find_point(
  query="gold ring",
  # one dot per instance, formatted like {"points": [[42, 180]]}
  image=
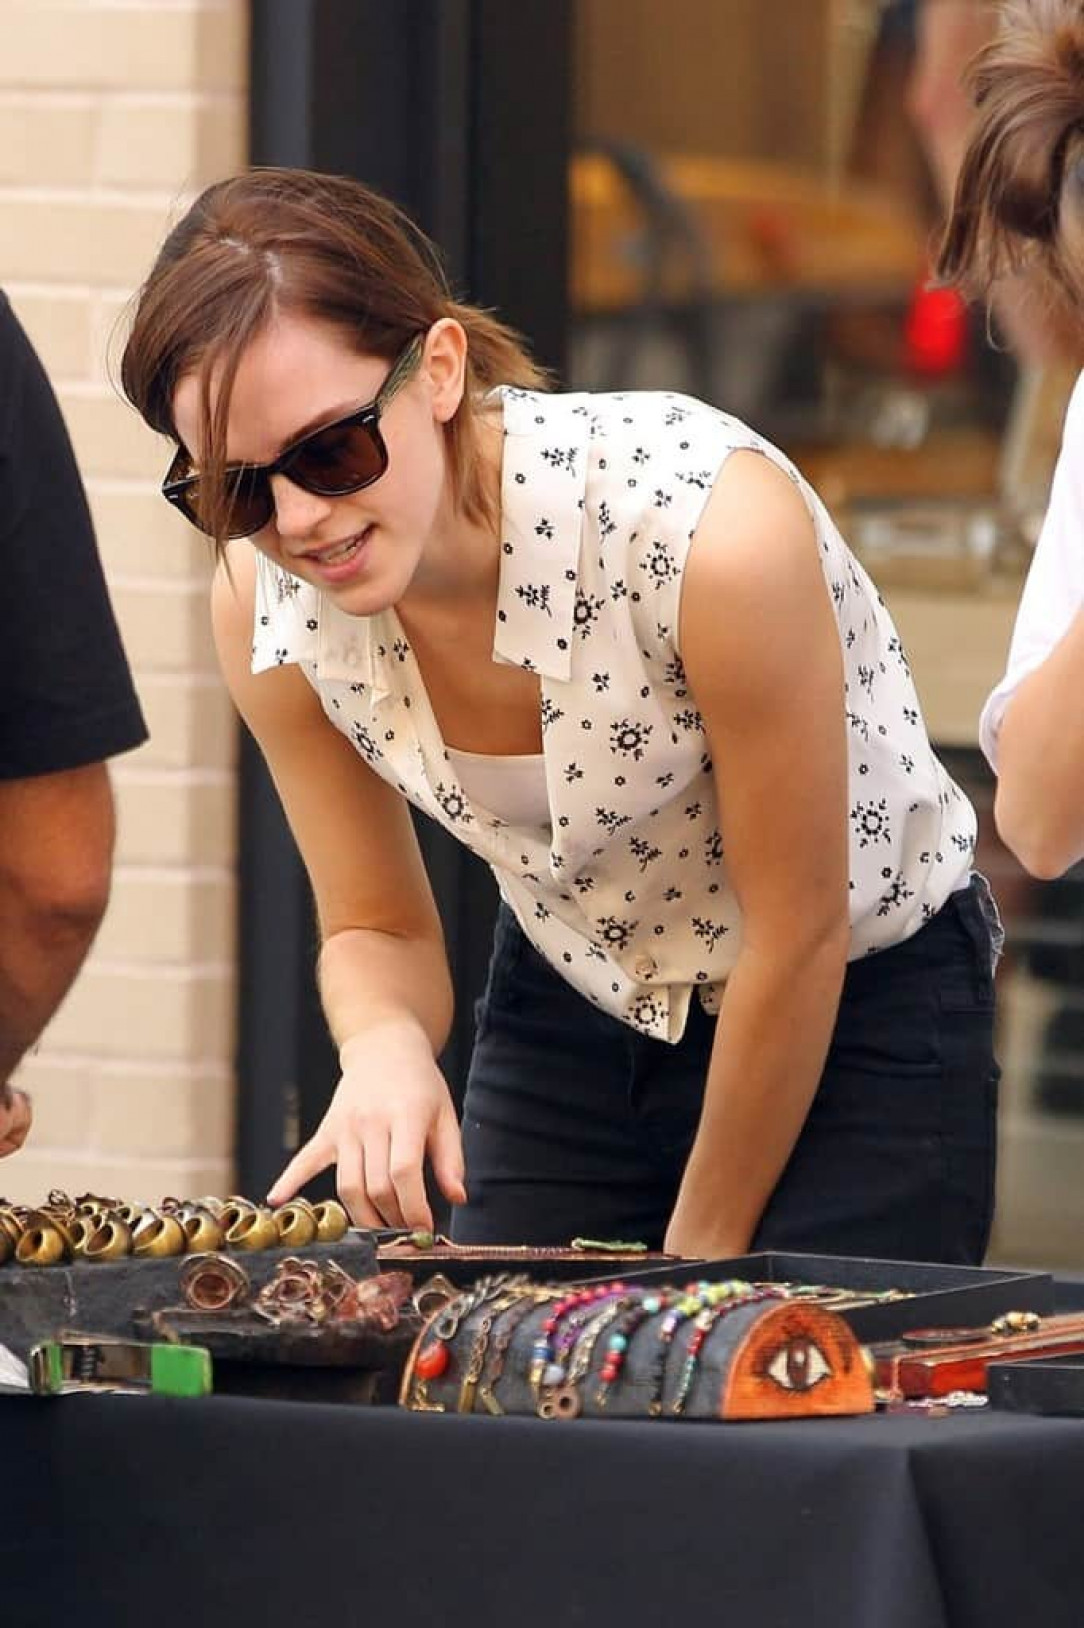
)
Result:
{"points": [[157, 1236], [296, 1223], [111, 1241], [255, 1229], [42, 1243], [332, 1221], [202, 1231]]}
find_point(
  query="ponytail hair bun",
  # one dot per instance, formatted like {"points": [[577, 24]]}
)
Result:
{"points": [[1019, 202]]}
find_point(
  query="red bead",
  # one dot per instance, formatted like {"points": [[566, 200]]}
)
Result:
{"points": [[432, 1361]]}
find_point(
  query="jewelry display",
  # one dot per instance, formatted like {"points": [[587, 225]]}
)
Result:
{"points": [[320, 1291], [431, 1359], [93, 1228], [727, 1349]]}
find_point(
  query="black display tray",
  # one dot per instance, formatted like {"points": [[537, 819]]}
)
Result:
{"points": [[102, 1298], [1069, 1291], [1052, 1385], [939, 1295]]}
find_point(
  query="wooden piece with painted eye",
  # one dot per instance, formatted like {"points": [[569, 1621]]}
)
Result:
{"points": [[793, 1360]]}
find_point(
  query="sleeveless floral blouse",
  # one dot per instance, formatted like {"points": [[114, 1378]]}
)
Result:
{"points": [[625, 889]]}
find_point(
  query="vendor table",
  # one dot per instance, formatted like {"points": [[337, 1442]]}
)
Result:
{"points": [[230, 1512]]}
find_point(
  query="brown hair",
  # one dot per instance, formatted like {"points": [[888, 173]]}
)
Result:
{"points": [[1019, 202], [324, 246]]}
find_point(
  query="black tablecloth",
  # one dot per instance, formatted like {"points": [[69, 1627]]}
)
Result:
{"points": [[228, 1512]]}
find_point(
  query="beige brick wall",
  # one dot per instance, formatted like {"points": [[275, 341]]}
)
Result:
{"points": [[112, 114]]}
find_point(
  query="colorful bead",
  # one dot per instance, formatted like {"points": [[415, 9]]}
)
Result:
{"points": [[617, 1345], [432, 1361], [558, 1333], [697, 1297]]}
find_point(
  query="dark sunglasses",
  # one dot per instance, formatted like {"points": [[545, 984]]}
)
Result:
{"points": [[330, 462]]}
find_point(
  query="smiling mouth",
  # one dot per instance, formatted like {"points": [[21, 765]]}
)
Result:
{"points": [[339, 553]]}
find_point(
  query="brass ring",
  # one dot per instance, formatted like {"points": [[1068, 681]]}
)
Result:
{"points": [[83, 1229], [255, 1229], [95, 1201], [157, 1235], [296, 1223], [111, 1241], [42, 1243], [213, 1282], [332, 1221], [202, 1231], [233, 1211]]}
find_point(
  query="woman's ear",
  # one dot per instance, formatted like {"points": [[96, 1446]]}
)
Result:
{"points": [[444, 363]]}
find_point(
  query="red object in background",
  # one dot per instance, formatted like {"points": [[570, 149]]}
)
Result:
{"points": [[935, 333]]}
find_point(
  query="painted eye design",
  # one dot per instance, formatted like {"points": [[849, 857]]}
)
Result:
{"points": [[798, 1366]]}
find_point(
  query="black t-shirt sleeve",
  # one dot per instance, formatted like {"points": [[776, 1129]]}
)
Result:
{"points": [[66, 692]]}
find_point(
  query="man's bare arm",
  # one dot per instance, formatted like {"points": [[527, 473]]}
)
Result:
{"points": [[55, 864]]}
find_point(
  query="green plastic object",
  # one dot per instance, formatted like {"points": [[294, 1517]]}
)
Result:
{"points": [[181, 1370], [85, 1362]]}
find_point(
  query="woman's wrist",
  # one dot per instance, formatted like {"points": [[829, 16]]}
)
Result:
{"points": [[401, 1030]]}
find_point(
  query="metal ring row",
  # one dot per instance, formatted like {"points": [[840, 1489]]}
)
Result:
{"points": [[91, 1228]]}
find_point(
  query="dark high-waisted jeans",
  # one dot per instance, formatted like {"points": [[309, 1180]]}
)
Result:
{"points": [[576, 1125]]}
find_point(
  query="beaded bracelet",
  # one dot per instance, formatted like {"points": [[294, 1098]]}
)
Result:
{"points": [[648, 1305], [564, 1401], [545, 1369], [696, 1297], [703, 1324]]}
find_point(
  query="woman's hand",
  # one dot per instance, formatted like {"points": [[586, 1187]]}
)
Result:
{"points": [[16, 1117], [391, 1108]]}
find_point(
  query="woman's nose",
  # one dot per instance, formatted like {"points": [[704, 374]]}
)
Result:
{"points": [[297, 512]]}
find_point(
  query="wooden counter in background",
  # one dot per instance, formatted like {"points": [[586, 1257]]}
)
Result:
{"points": [[765, 228]]}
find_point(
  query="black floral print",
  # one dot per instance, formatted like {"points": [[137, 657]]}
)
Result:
{"points": [[626, 884]]}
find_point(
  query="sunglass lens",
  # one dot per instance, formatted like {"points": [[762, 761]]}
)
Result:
{"points": [[342, 458], [248, 503]]}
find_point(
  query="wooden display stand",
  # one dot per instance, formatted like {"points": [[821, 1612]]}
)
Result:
{"points": [[764, 1360]]}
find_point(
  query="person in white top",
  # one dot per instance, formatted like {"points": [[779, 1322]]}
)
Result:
{"points": [[1018, 222], [742, 983]]}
